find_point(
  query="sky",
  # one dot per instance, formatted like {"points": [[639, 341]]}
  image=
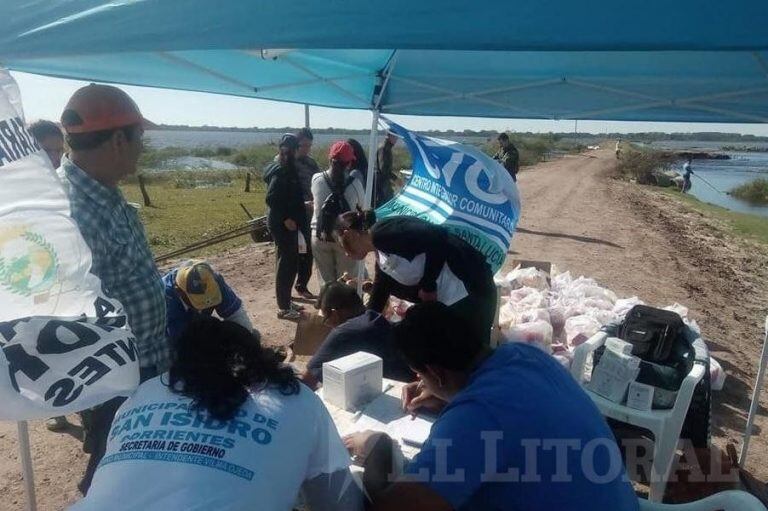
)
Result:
{"points": [[44, 98]]}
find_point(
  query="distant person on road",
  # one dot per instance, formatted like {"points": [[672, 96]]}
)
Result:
{"points": [[385, 174], [50, 138], [687, 176], [618, 148], [194, 289], [286, 220], [508, 156]]}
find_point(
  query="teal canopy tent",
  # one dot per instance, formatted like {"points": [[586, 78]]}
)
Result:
{"points": [[649, 60]]}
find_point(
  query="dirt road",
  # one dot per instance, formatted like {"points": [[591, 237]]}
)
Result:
{"points": [[630, 239]]}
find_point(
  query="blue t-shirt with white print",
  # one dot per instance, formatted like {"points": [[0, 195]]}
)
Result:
{"points": [[522, 435]]}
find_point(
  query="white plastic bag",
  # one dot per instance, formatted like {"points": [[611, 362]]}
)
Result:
{"points": [[561, 281], [527, 277], [681, 310], [537, 333], [302, 243], [623, 305], [579, 329], [603, 317]]}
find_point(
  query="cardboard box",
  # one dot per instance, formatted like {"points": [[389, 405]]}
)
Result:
{"points": [[310, 334], [352, 381]]}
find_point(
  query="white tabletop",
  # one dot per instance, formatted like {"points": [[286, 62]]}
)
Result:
{"points": [[384, 414]]}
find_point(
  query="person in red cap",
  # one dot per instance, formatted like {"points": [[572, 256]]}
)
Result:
{"points": [[103, 131], [335, 192]]}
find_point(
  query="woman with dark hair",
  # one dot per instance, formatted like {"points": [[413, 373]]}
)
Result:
{"points": [[228, 427], [360, 167], [494, 405], [420, 262], [335, 191]]}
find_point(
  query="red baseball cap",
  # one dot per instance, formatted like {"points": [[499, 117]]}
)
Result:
{"points": [[342, 151], [99, 107]]}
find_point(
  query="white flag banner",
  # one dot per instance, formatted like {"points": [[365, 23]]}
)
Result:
{"points": [[64, 345]]}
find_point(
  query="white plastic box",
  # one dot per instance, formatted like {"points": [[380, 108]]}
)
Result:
{"points": [[352, 381]]}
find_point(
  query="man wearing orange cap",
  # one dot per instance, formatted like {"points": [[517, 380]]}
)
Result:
{"points": [[103, 131], [335, 192]]}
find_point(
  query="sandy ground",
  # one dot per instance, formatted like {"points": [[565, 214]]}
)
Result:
{"points": [[630, 239]]}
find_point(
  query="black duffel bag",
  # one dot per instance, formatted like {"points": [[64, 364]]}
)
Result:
{"points": [[659, 340]]}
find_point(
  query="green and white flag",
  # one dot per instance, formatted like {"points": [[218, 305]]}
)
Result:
{"points": [[462, 188], [64, 345]]}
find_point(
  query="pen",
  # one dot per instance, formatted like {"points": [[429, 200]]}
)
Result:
{"points": [[357, 415], [388, 388]]}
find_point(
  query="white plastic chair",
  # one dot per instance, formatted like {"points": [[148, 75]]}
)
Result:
{"points": [[664, 424], [724, 501]]}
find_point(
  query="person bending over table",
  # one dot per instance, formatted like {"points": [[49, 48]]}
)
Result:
{"points": [[515, 431], [420, 262], [354, 329], [194, 288], [229, 427]]}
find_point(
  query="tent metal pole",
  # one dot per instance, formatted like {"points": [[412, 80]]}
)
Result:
{"points": [[306, 115], [369, 182], [26, 465], [755, 399], [372, 146]]}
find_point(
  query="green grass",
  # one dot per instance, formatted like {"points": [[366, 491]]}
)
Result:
{"points": [[741, 224], [181, 216], [755, 192], [190, 205]]}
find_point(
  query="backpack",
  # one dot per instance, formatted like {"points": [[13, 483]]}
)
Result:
{"points": [[666, 356], [653, 333], [333, 206]]}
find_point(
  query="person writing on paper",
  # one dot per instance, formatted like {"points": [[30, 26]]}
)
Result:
{"points": [[354, 329], [228, 427], [515, 431], [286, 220], [419, 261], [193, 289]]}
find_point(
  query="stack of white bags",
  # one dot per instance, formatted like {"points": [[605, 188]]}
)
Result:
{"points": [[563, 314]]}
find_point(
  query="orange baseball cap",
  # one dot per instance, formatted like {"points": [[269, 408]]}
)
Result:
{"points": [[99, 107]]}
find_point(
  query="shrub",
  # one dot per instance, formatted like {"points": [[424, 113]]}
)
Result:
{"points": [[640, 163], [754, 192]]}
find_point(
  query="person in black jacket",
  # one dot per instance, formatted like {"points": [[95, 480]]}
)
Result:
{"points": [[419, 261], [286, 220]]}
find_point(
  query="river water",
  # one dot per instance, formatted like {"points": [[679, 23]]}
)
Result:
{"points": [[723, 175]]}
